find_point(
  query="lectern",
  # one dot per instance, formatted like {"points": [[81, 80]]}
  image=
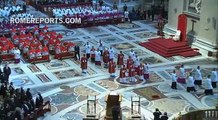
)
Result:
{"points": [[91, 108], [135, 108], [113, 109]]}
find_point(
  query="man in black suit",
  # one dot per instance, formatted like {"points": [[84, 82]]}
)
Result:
{"points": [[29, 94], [7, 72], [77, 52], [125, 8], [157, 114]]}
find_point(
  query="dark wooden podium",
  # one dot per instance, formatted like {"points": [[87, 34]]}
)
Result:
{"points": [[113, 101]]}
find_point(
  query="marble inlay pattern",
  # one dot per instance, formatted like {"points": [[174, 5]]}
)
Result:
{"points": [[126, 26], [73, 116], [111, 40], [94, 30], [57, 64], [66, 74], [123, 46], [60, 98], [145, 35], [85, 91], [151, 60], [210, 100], [110, 85], [17, 71], [34, 68], [128, 37], [43, 77], [21, 81]]}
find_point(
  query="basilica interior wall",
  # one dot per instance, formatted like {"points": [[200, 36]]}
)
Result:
{"points": [[208, 22]]}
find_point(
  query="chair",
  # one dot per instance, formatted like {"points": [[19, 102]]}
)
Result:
{"points": [[176, 37]]}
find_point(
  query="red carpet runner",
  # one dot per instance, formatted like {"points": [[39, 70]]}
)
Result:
{"points": [[169, 48]]}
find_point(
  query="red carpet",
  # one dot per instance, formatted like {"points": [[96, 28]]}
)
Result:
{"points": [[168, 47]]}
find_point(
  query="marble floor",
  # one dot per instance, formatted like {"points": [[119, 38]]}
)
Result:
{"points": [[63, 83]]}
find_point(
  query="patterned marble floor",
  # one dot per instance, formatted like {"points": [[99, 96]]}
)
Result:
{"points": [[67, 88]]}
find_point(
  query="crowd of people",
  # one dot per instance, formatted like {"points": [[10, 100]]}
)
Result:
{"points": [[130, 70], [143, 14], [194, 79], [22, 15], [7, 11], [17, 103], [83, 10], [87, 12], [35, 45]]}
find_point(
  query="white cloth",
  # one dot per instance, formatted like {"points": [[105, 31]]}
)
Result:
{"points": [[176, 37], [214, 77], [182, 73], [174, 77], [208, 85], [126, 14], [190, 82], [97, 56], [17, 54], [88, 48], [198, 75]]}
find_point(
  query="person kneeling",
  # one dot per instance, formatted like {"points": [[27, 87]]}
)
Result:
{"points": [[208, 86], [190, 84]]}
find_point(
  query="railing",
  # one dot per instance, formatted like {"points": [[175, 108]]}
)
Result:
{"points": [[199, 115]]}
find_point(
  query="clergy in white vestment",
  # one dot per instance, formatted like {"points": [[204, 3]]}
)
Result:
{"points": [[214, 77], [198, 76], [100, 47], [111, 53], [174, 78], [126, 15], [88, 50], [132, 53], [190, 84], [182, 74], [17, 55], [98, 57], [146, 71], [208, 86]]}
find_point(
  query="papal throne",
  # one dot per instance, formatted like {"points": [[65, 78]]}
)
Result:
{"points": [[113, 101]]}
